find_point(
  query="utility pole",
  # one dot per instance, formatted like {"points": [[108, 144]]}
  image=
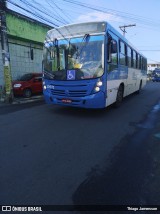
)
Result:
{"points": [[5, 54], [123, 28]]}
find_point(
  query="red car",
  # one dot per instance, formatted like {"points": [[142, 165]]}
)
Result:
{"points": [[28, 84]]}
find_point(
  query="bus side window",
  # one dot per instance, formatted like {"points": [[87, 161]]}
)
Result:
{"points": [[137, 61], [146, 64], [112, 51], [140, 62], [122, 53], [129, 56], [134, 59], [143, 63]]}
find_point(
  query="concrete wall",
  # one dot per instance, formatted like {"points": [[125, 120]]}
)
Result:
{"points": [[25, 29], [20, 58]]}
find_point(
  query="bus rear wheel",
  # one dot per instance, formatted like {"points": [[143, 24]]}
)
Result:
{"points": [[119, 98]]}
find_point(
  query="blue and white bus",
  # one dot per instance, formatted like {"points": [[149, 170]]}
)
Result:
{"points": [[90, 65]]}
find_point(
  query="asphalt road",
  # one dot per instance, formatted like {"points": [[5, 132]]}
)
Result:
{"points": [[52, 155]]}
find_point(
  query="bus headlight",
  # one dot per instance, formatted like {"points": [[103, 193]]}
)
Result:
{"points": [[44, 87], [97, 89], [99, 83], [98, 86]]}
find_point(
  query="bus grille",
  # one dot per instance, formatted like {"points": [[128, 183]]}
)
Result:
{"points": [[69, 93]]}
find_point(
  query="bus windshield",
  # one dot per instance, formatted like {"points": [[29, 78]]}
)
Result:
{"points": [[74, 59]]}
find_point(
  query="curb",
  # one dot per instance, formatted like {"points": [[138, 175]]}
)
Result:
{"points": [[21, 100]]}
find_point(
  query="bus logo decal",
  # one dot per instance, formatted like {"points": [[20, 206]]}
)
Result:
{"points": [[70, 74]]}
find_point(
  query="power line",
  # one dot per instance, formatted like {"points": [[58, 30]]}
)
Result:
{"points": [[154, 61], [60, 20], [39, 10], [58, 8], [115, 13], [39, 13], [47, 12], [36, 15]]}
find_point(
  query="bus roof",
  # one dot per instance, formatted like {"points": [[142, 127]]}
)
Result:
{"points": [[78, 29]]}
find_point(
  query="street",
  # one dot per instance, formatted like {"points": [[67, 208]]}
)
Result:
{"points": [[54, 155]]}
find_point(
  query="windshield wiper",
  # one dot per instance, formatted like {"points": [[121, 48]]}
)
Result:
{"points": [[80, 49], [85, 39]]}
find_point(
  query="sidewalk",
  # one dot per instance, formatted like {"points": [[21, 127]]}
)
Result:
{"points": [[22, 100]]}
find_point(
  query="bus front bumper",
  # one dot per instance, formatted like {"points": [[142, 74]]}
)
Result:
{"points": [[96, 100]]}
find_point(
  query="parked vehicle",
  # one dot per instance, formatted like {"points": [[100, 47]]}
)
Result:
{"points": [[156, 75], [28, 84], [156, 79]]}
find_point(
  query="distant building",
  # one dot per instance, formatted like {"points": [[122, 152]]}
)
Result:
{"points": [[152, 66], [25, 37]]}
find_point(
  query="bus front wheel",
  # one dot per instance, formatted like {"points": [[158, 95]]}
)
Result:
{"points": [[119, 97]]}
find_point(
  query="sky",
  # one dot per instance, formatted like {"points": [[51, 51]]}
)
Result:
{"points": [[145, 36]]}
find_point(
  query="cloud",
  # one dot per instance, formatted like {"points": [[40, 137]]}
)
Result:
{"points": [[98, 16]]}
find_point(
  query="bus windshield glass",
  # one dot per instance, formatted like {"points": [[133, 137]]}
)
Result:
{"points": [[74, 59]]}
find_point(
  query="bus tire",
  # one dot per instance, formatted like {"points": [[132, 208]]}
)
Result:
{"points": [[140, 88], [119, 97]]}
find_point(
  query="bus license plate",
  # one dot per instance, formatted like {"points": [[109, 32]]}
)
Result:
{"points": [[66, 101]]}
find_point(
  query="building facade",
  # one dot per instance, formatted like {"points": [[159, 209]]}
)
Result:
{"points": [[25, 40], [152, 66]]}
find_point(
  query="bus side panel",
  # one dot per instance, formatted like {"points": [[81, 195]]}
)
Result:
{"points": [[133, 80], [144, 78], [112, 89]]}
